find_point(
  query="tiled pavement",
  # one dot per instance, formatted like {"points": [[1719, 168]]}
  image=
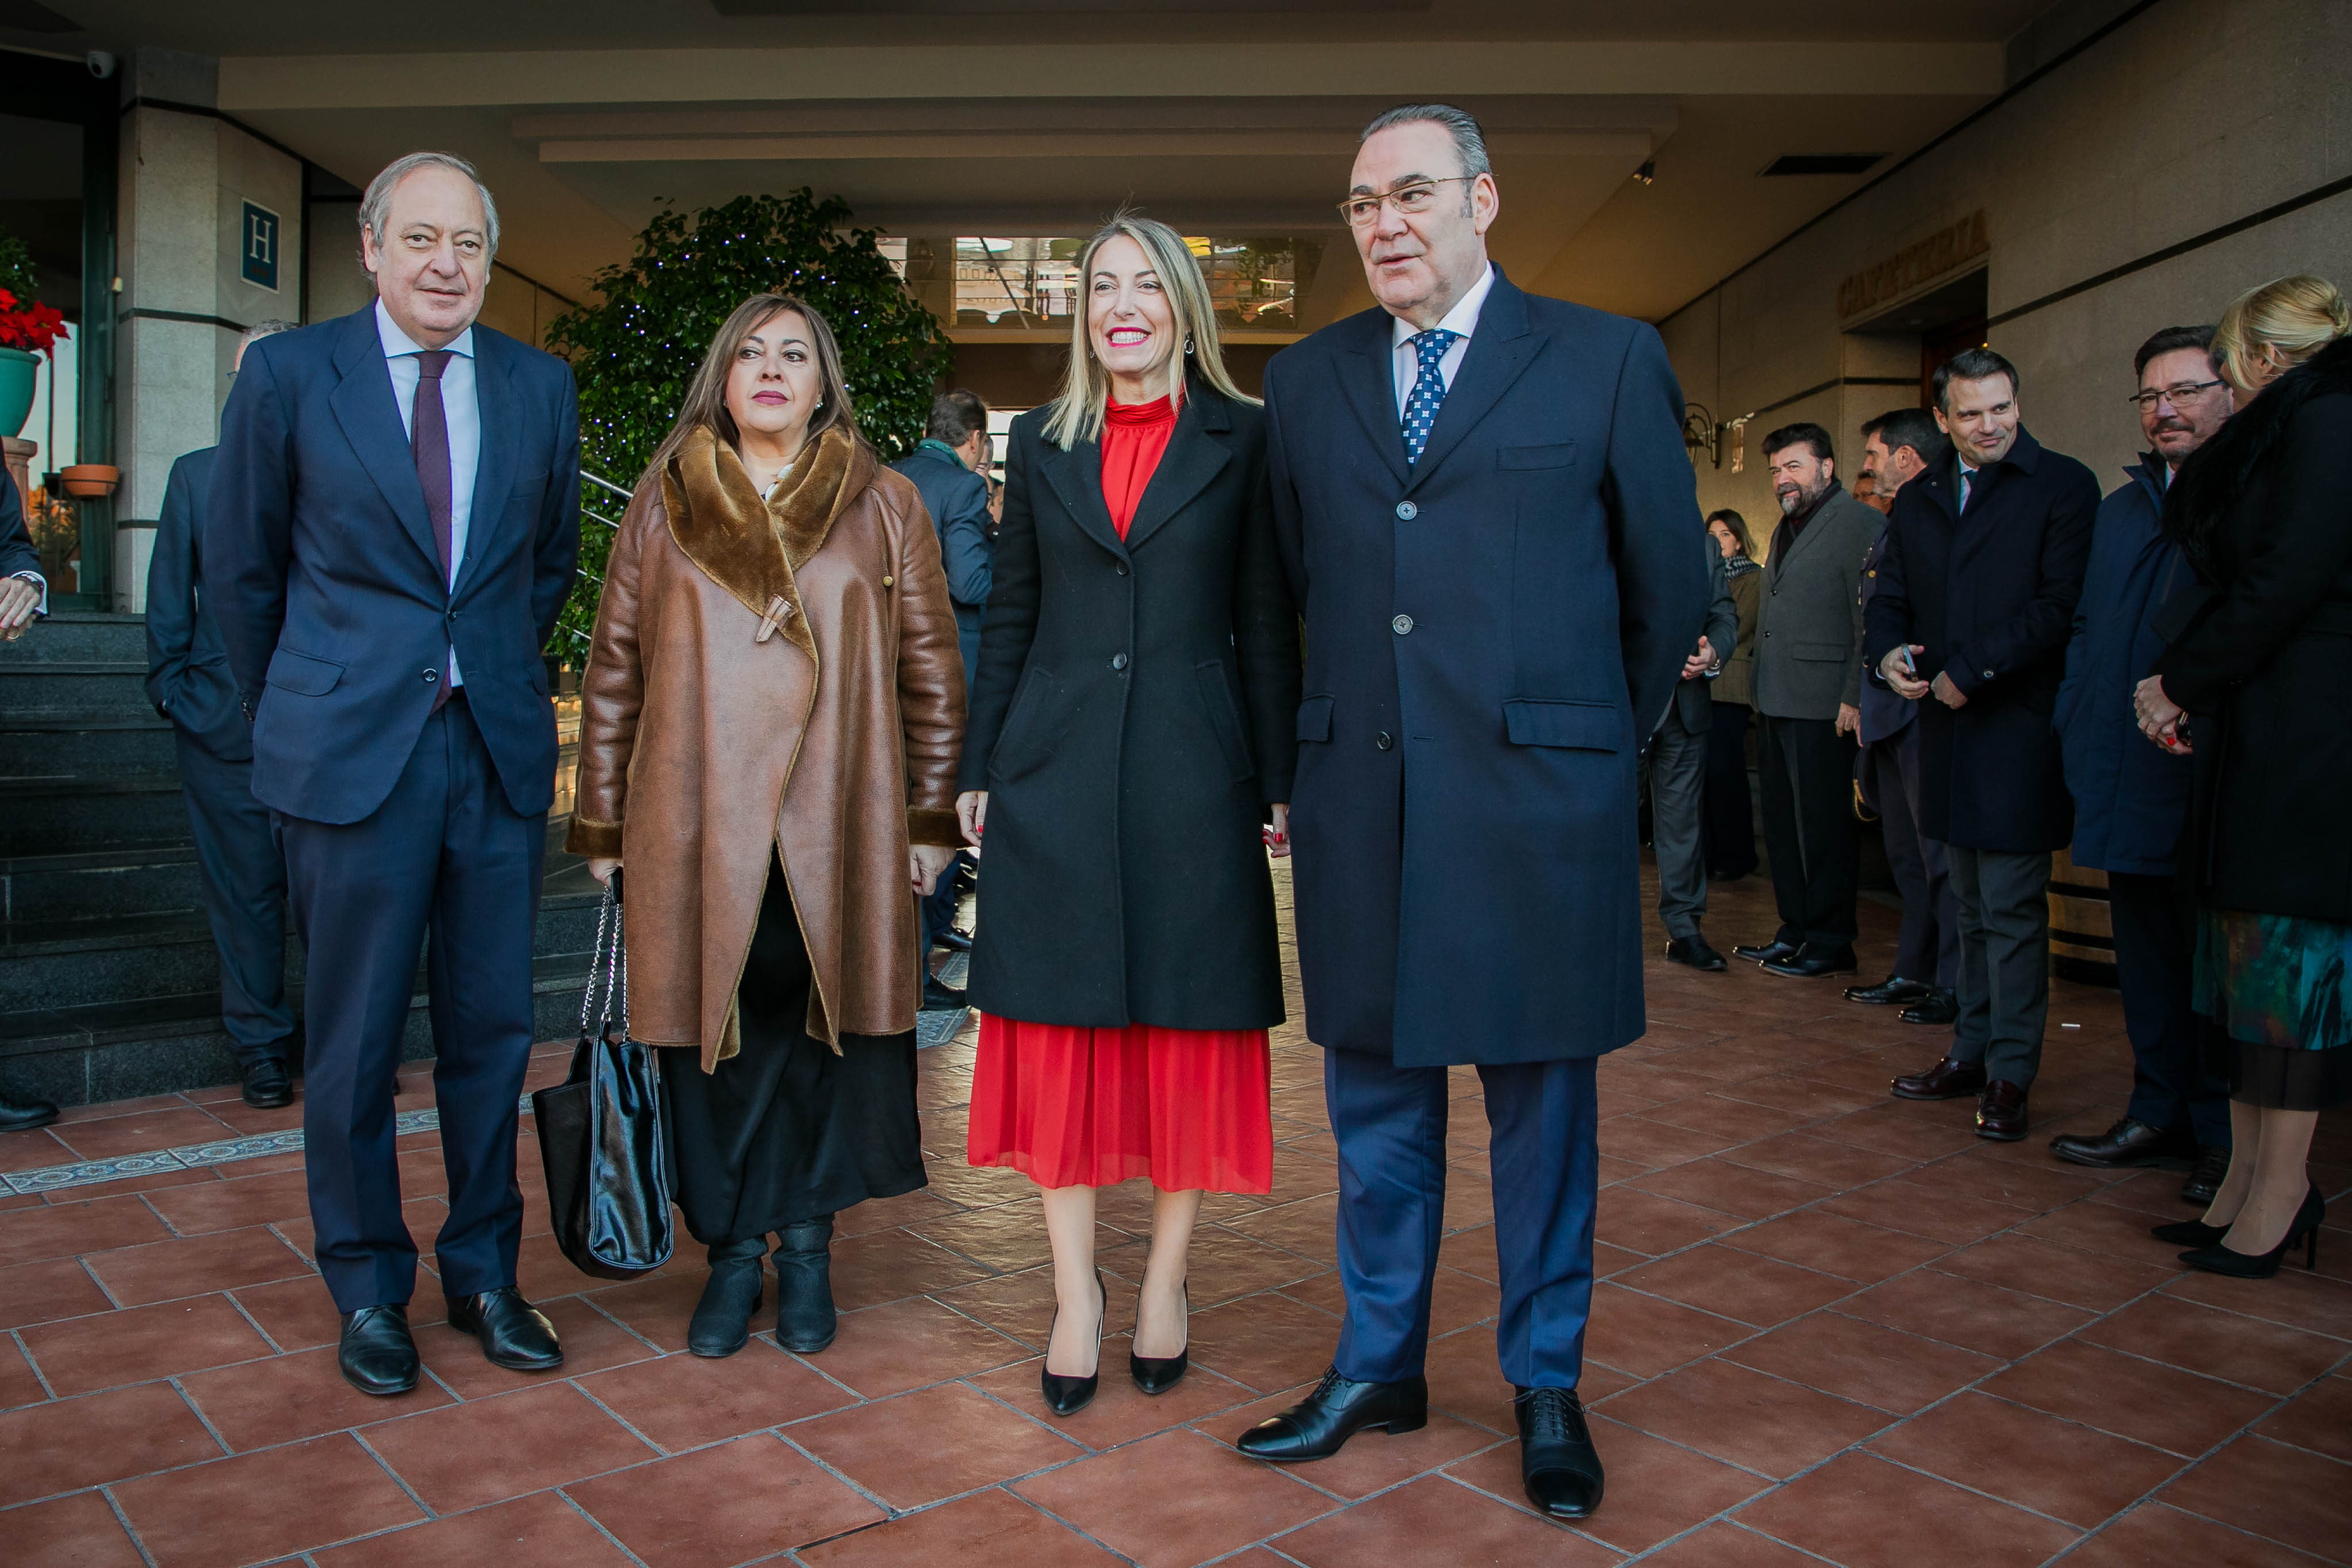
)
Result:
{"points": [[1833, 1326]]}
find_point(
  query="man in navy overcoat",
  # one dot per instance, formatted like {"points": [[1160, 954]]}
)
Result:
{"points": [[1486, 514], [393, 519]]}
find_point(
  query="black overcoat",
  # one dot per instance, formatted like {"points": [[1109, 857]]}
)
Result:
{"points": [[1482, 629], [1991, 595], [1131, 721], [2257, 657]]}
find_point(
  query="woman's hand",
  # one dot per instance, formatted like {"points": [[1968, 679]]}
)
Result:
{"points": [[972, 812], [1277, 837], [2159, 717], [603, 869], [925, 863]]}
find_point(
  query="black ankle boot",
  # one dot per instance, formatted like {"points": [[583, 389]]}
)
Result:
{"points": [[804, 1286], [722, 1319]]}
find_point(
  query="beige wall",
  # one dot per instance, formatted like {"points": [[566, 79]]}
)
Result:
{"points": [[2190, 117]]}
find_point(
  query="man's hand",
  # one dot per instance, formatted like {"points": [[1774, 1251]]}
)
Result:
{"points": [[1700, 662], [1277, 837], [2159, 717], [1897, 670], [971, 813], [19, 596], [1948, 694], [925, 863], [1849, 719]]}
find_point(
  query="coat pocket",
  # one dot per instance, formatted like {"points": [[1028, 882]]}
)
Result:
{"points": [[1225, 719], [1576, 725], [302, 674], [1823, 652], [1315, 719], [1560, 456], [1015, 755]]}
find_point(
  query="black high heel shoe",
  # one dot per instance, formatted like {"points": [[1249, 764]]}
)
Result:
{"points": [[2217, 1259], [2189, 1233], [1158, 1373], [1068, 1395]]}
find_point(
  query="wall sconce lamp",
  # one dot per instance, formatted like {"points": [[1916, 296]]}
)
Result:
{"points": [[1701, 434]]}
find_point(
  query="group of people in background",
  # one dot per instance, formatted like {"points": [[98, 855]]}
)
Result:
{"points": [[1409, 620], [2004, 665]]}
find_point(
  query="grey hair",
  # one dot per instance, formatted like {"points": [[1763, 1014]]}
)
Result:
{"points": [[375, 207], [1469, 141], [260, 330]]}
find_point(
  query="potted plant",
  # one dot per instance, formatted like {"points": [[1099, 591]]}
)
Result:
{"points": [[89, 480], [28, 330]]}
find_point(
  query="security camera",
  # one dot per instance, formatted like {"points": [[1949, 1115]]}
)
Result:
{"points": [[100, 64]]}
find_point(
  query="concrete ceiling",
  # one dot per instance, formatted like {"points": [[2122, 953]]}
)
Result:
{"points": [[1015, 117]]}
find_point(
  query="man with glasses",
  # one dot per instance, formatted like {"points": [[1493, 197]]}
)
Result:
{"points": [[1487, 517], [2131, 799]]}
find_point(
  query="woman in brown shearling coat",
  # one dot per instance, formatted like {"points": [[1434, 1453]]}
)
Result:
{"points": [[769, 726]]}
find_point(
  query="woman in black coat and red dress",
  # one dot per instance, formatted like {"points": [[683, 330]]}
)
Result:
{"points": [[1128, 762]]}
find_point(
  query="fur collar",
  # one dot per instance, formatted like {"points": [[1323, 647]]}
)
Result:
{"points": [[751, 547], [2219, 474]]}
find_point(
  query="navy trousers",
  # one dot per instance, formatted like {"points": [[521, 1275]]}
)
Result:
{"points": [[1389, 1121], [445, 864], [245, 899], [1927, 949], [2154, 961]]}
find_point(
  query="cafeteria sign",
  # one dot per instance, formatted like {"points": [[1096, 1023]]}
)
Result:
{"points": [[1914, 264]]}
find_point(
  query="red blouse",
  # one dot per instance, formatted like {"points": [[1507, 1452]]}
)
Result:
{"points": [[1134, 437]]}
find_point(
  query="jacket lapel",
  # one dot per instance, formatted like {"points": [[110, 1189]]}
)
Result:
{"points": [[494, 469], [363, 404], [1500, 349], [1075, 477], [1193, 459], [1370, 366]]}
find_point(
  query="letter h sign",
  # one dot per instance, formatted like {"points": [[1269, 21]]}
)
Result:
{"points": [[259, 262]]}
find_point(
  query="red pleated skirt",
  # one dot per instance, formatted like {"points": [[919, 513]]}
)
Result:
{"points": [[1095, 1107]]}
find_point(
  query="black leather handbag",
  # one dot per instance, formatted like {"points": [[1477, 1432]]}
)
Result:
{"points": [[600, 1131]]}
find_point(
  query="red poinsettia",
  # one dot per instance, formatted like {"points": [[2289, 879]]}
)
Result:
{"points": [[34, 328]]}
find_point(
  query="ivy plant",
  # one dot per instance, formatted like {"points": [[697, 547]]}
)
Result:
{"points": [[635, 351]]}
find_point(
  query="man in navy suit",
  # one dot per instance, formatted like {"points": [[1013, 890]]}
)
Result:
{"points": [[394, 516], [1487, 515], [24, 593], [243, 873]]}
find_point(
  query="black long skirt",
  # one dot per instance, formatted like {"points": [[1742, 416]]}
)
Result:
{"points": [[785, 1130]]}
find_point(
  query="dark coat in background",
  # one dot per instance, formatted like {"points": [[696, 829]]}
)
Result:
{"points": [[2131, 798], [1489, 634], [1693, 701], [1131, 722], [2257, 653], [957, 500], [188, 668], [1991, 596], [1745, 581], [17, 555], [1884, 716], [1808, 660]]}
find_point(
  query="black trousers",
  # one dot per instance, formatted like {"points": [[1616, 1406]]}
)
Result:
{"points": [[1928, 950], [1727, 822], [2172, 1086], [245, 899], [1806, 772]]}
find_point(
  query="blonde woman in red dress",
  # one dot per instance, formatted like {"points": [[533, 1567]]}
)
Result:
{"points": [[1127, 763]]}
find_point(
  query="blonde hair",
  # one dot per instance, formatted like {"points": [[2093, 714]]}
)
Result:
{"points": [[706, 395], [2286, 321], [1086, 386]]}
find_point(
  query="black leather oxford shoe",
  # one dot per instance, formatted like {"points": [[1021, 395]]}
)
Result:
{"points": [[1940, 1011], [1812, 961], [1695, 951], [514, 1333], [2127, 1143], [1894, 991], [1949, 1079], [1558, 1463], [378, 1355], [24, 1115], [1316, 1426], [1770, 952], [2204, 1183], [267, 1087]]}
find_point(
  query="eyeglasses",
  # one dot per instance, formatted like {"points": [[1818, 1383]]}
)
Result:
{"points": [[1410, 200], [2181, 396]]}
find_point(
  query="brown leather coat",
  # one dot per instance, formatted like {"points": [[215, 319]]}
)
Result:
{"points": [[785, 674]]}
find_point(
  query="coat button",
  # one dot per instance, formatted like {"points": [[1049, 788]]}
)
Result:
{"points": [[1383, 740], [888, 582], [1400, 625], [1119, 567], [431, 677], [1988, 674], [1407, 510], [1119, 661]]}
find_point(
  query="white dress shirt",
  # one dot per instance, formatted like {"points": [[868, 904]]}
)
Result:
{"points": [[462, 410], [1463, 320]]}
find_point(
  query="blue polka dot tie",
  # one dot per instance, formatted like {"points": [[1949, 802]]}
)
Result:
{"points": [[1428, 389]]}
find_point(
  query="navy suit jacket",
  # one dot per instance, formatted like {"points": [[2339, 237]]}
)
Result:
{"points": [[17, 552], [188, 668], [1884, 715], [322, 570], [1490, 636], [957, 500]]}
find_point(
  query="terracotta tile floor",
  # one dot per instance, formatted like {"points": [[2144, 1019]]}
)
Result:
{"points": [[1833, 1326]]}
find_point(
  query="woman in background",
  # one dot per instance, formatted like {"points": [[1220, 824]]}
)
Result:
{"points": [[1729, 823]]}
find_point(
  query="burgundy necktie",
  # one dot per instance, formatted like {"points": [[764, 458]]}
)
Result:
{"points": [[428, 442]]}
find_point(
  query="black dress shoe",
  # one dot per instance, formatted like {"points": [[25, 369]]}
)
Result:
{"points": [[1158, 1373], [2204, 1183], [1812, 961], [1951, 1078], [1315, 1426], [1068, 1395], [267, 1087], [1770, 952], [2128, 1144], [938, 997], [721, 1325], [1894, 991], [514, 1333], [953, 940], [1695, 950], [2189, 1233], [804, 1315], [2001, 1112], [1940, 1011], [378, 1355], [24, 1115], [1558, 1463]]}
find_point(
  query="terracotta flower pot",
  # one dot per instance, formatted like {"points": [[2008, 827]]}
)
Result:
{"points": [[91, 480]]}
